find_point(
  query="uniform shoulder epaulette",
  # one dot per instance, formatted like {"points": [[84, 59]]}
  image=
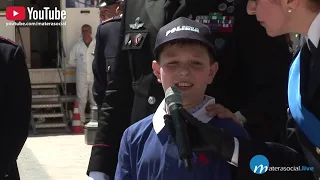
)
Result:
{"points": [[7, 41], [115, 18]]}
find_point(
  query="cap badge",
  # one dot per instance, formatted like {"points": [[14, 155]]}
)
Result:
{"points": [[182, 28]]}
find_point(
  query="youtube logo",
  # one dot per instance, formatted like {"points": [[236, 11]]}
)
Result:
{"points": [[15, 13]]}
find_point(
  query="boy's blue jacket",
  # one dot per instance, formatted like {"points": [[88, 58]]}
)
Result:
{"points": [[147, 152]]}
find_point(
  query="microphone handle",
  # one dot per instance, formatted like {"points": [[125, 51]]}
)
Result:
{"points": [[187, 163], [181, 134]]}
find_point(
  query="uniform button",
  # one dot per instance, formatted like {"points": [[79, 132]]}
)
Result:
{"points": [[167, 167], [222, 7], [151, 100], [230, 9], [219, 43], [318, 150]]}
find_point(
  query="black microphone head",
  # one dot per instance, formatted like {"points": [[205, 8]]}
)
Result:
{"points": [[173, 96]]}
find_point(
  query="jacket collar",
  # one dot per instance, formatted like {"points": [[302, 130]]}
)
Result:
{"points": [[158, 121], [156, 12], [314, 31]]}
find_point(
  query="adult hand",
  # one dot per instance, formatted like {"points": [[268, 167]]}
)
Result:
{"points": [[217, 110]]}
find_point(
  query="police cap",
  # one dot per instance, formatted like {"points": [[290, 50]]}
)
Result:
{"points": [[104, 3], [183, 29]]}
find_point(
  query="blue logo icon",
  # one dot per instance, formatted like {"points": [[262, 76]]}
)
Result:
{"points": [[259, 164]]}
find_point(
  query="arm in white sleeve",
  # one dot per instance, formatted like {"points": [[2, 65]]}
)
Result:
{"points": [[235, 156], [95, 175], [72, 56]]}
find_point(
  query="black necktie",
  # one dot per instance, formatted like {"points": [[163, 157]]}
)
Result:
{"points": [[312, 47]]}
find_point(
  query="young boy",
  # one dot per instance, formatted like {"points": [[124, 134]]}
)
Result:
{"points": [[184, 59]]}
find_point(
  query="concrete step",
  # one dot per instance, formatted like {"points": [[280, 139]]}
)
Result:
{"points": [[50, 125], [43, 86], [38, 106], [48, 115], [42, 96]]}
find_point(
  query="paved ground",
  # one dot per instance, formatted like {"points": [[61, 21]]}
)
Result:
{"points": [[54, 157]]}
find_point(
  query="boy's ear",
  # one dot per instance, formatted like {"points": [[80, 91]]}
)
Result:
{"points": [[156, 70], [213, 71]]}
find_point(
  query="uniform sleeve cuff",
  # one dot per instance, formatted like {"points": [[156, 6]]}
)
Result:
{"points": [[235, 156], [95, 175]]}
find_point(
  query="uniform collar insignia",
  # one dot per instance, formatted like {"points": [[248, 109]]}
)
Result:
{"points": [[137, 39], [137, 25]]}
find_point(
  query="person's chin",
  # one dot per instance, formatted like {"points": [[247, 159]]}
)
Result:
{"points": [[273, 33], [269, 33]]}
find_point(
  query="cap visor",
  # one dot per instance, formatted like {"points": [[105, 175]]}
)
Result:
{"points": [[103, 4]]}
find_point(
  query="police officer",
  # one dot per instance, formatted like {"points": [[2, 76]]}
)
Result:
{"points": [[103, 160], [106, 46], [15, 106], [102, 11]]}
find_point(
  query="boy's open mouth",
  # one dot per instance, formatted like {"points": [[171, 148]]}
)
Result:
{"points": [[183, 85]]}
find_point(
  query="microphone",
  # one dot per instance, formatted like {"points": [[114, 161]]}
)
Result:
{"points": [[173, 100]]}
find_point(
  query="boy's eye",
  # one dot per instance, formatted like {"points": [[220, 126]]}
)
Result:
{"points": [[196, 63], [173, 62]]}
